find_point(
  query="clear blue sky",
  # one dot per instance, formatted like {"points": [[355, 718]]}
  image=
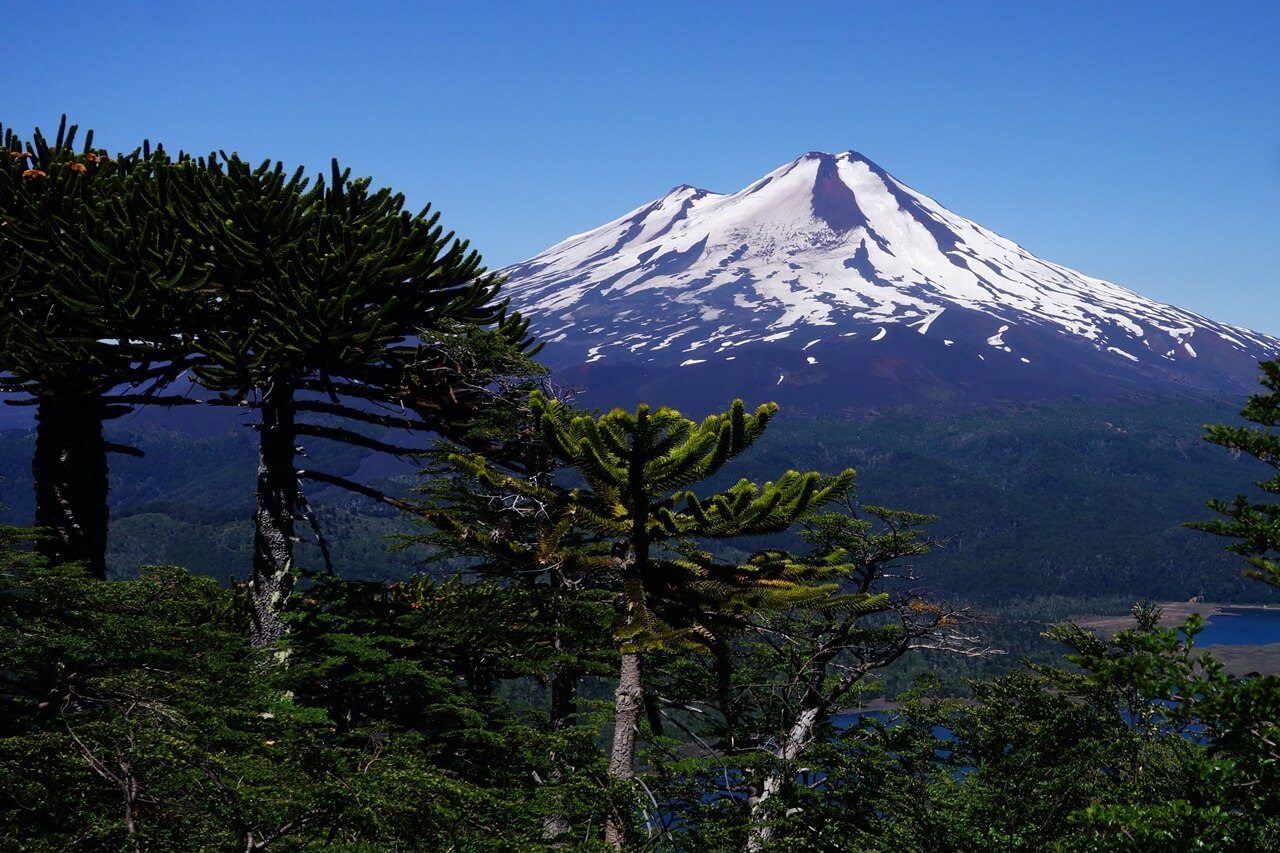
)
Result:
{"points": [[1134, 141]]}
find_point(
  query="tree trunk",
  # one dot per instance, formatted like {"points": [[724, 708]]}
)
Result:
{"points": [[70, 472], [564, 699], [628, 703], [564, 681], [277, 503], [815, 707], [564, 706], [564, 712], [794, 742]]}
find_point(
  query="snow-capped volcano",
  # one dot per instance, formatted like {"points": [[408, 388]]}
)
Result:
{"points": [[830, 272]]}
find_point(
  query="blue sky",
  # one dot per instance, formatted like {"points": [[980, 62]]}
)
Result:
{"points": [[1134, 141]]}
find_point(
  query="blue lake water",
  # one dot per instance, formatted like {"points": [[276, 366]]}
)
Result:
{"points": [[1242, 626]]}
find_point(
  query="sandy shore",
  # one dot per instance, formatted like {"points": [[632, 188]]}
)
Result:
{"points": [[1173, 613]]}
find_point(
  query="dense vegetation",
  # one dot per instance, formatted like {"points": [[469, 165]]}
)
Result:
{"points": [[734, 612]]}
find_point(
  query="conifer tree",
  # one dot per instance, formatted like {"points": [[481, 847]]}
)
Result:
{"points": [[93, 287], [506, 515], [334, 300], [638, 467], [828, 650], [517, 525], [1255, 526]]}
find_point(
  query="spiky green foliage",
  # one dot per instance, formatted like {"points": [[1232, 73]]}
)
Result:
{"points": [[95, 289], [1255, 526], [323, 280], [333, 288], [516, 526], [637, 467]]}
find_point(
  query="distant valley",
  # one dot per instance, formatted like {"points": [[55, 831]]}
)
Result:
{"points": [[1074, 499]]}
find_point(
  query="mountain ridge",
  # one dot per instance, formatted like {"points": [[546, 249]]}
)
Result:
{"points": [[798, 274]]}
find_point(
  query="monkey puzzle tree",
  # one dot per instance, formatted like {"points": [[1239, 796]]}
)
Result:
{"points": [[638, 467], [93, 288], [331, 299]]}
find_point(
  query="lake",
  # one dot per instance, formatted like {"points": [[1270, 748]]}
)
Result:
{"points": [[1242, 626]]}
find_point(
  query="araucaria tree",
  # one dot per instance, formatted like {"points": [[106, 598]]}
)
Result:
{"points": [[638, 468], [94, 286], [330, 299]]}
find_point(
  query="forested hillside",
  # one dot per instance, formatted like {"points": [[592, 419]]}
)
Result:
{"points": [[1012, 488], [1079, 498]]}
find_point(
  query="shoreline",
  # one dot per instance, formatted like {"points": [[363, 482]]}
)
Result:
{"points": [[1172, 614], [1239, 660]]}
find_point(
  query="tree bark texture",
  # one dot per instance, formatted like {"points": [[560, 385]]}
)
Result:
{"points": [[796, 741], [628, 704], [70, 472], [277, 504], [564, 700]]}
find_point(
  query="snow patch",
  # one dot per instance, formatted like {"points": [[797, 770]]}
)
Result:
{"points": [[923, 326], [811, 343], [666, 342], [880, 334], [1121, 352], [811, 359], [689, 361], [1231, 340], [997, 340], [1186, 345]]}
